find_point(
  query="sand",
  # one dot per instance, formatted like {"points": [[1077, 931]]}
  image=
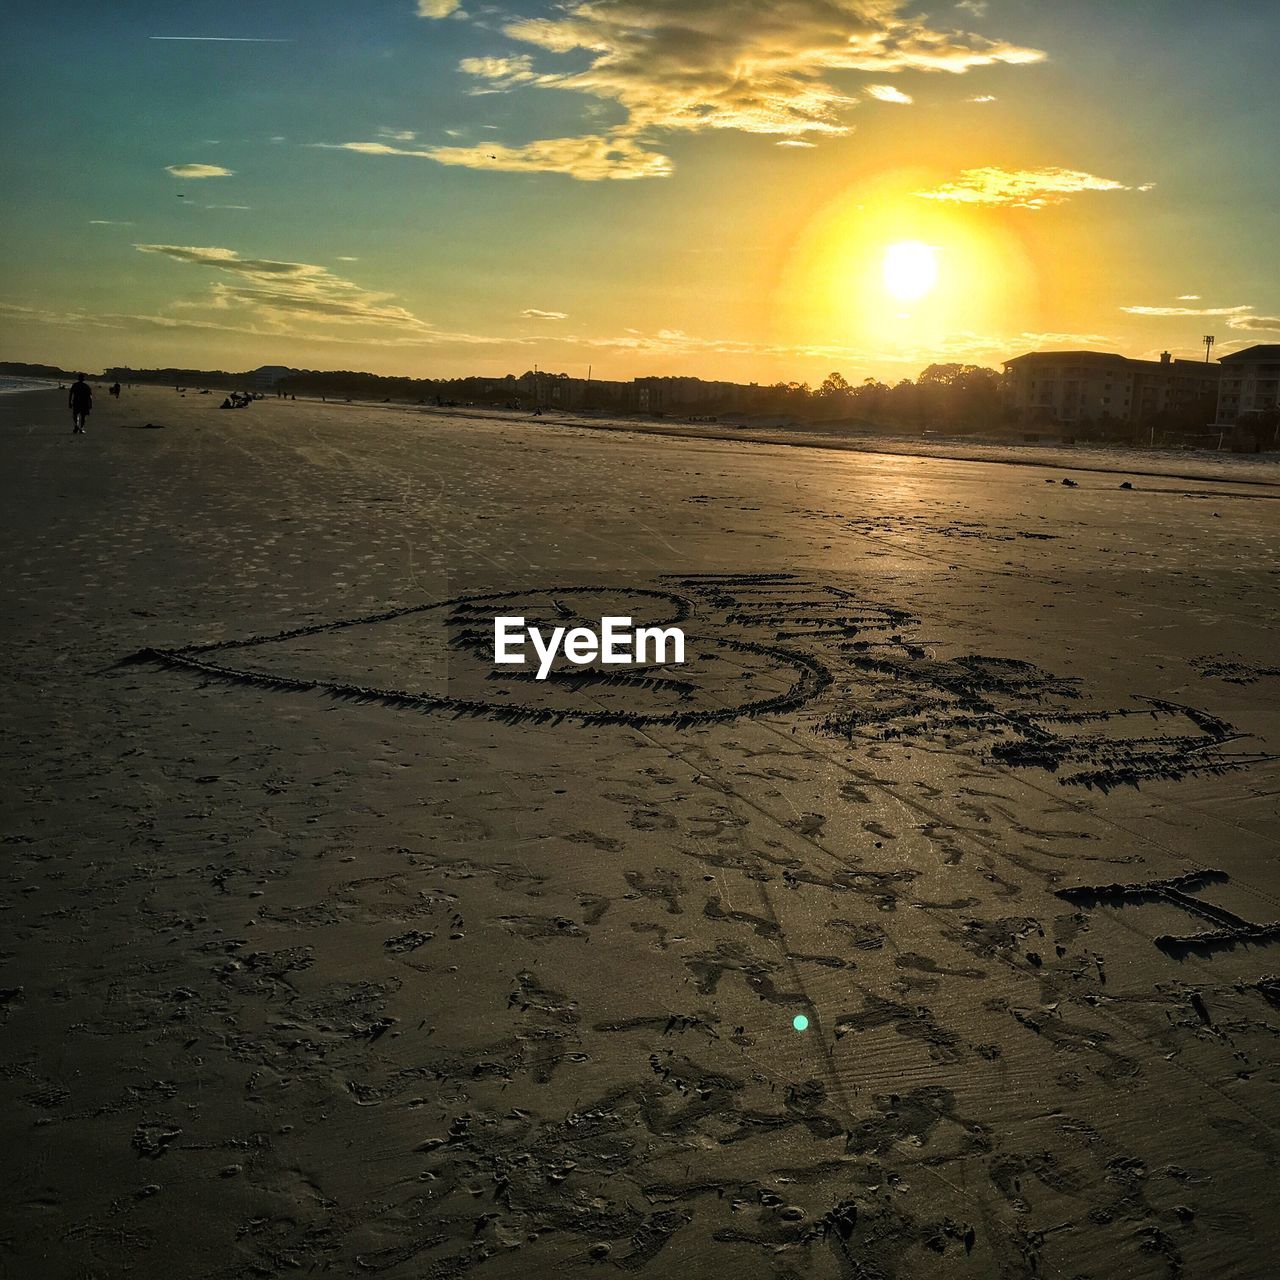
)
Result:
{"points": [[328, 954]]}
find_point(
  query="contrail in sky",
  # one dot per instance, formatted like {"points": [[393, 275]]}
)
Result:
{"points": [[228, 39]]}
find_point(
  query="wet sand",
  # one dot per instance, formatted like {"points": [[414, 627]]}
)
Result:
{"points": [[326, 953]]}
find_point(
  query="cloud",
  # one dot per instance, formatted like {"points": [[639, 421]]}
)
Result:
{"points": [[982, 97], [183, 323], [794, 142], [107, 222], [666, 343], [242, 207], [1260, 324], [1188, 297], [590, 157], [198, 171], [534, 313], [501, 73], [740, 64], [887, 93], [697, 65], [1068, 339], [1186, 311], [968, 347], [370, 148], [1241, 317], [1021, 188], [976, 7], [276, 290], [397, 135]]}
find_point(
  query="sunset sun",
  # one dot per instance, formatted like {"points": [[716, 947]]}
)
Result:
{"points": [[910, 269]]}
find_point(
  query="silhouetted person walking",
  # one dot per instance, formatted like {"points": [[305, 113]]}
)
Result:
{"points": [[81, 402]]}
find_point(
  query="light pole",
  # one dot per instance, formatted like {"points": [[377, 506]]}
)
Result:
{"points": [[1208, 341]]}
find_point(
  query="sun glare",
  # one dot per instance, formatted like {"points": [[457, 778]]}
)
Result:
{"points": [[880, 274], [910, 269]]}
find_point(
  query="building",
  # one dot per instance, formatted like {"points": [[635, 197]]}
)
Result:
{"points": [[560, 391], [265, 377], [1250, 383], [641, 395], [695, 395], [1088, 386]]}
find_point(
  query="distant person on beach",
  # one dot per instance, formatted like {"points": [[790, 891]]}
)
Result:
{"points": [[81, 402], [115, 390]]}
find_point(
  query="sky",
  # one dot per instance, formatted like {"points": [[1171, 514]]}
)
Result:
{"points": [[752, 190]]}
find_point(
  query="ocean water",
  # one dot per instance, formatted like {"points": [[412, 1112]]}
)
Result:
{"points": [[8, 385]]}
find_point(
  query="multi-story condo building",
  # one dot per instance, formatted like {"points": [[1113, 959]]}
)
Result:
{"points": [[1079, 386], [1250, 383]]}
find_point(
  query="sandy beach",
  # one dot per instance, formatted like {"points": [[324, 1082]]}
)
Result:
{"points": [[329, 953]]}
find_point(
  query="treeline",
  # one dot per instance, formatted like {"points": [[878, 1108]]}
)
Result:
{"points": [[17, 369], [352, 385], [951, 398], [179, 377], [947, 397]]}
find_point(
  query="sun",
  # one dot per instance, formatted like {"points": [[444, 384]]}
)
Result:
{"points": [[910, 269], [892, 274]]}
